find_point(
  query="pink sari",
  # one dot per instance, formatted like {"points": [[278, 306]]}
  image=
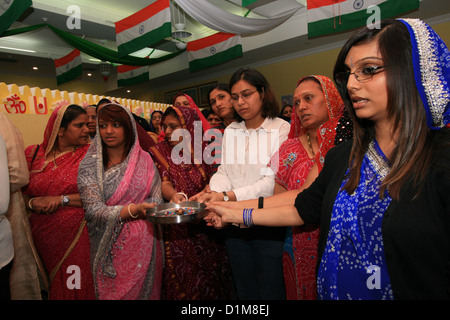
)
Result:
{"points": [[294, 165], [127, 257], [53, 234]]}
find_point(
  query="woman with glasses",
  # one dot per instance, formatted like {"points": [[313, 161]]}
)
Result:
{"points": [[382, 200], [247, 146]]}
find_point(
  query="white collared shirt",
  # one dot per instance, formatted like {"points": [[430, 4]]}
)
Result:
{"points": [[246, 154]]}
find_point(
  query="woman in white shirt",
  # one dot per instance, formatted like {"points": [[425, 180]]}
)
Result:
{"points": [[248, 144]]}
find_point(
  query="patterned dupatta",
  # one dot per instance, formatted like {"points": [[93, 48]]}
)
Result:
{"points": [[193, 106], [327, 131], [354, 249], [191, 177], [36, 154], [431, 60], [104, 194]]}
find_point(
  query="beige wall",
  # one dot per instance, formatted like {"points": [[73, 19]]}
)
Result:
{"points": [[32, 127], [84, 85]]}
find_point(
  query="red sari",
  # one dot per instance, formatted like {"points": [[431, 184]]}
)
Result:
{"points": [[53, 234], [292, 169], [196, 263]]}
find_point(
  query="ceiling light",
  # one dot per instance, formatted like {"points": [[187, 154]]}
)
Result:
{"points": [[181, 45], [89, 74], [146, 52], [128, 90], [16, 49], [35, 68]]}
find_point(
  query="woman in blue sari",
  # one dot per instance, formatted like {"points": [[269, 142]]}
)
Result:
{"points": [[381, 200]]}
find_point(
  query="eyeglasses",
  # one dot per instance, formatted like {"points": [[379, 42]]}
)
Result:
{"points": [[171, 126], [244, 96], [361, 74]]}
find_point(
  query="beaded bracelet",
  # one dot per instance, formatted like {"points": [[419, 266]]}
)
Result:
{"points": [[129, 211], [247, 217]]}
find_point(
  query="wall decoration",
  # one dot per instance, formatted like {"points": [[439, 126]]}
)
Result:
{"points": [[16, 99]]}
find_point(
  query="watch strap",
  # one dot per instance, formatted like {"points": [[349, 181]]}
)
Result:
{"points": [[225, 196]]}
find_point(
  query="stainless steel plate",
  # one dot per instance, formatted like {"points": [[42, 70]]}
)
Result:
{"points": [[172, 213]]}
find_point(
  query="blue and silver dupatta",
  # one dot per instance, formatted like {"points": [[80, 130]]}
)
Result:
{"points": [[353, 264]]}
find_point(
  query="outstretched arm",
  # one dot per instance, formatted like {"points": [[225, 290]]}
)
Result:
{"points": [[279, 216]]}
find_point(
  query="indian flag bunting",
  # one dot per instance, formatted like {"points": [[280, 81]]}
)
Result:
{"points": [[144, 28], [332, 16], [68, 67], [213, 50], [10, 11], [129, 75]]}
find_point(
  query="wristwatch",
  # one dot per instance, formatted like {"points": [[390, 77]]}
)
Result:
{"points": [[225, 196], [65, 200]]}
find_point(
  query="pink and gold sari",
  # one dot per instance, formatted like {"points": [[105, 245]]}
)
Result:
{"points": [[62, 232], [126, 256], [293, 167]]}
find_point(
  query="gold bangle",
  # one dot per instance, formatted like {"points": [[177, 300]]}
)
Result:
{"points": [[29, 203], [129, 212]]}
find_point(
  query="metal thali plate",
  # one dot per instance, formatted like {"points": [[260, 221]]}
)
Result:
{"points": [[172, 213]]}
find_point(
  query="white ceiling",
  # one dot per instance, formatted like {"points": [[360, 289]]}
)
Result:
{"points": [[97, 25]]}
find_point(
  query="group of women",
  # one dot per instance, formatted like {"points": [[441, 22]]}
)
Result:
{"points": [[357, 181], [381, 200]]}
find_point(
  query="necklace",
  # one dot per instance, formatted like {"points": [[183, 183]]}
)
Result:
{"points": [[54, 158], [310, 144], [113, 164]]}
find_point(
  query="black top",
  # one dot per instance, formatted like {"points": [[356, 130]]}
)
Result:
{"points": [[416, 231]]}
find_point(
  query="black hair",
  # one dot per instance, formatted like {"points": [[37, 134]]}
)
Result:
{"points": [[270, 107], [71, 113]]}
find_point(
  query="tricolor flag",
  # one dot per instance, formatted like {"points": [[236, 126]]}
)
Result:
{"points": [[10, 11], [68, 67], [213, 50], [129, 75], [144, 28], [331, 16]]}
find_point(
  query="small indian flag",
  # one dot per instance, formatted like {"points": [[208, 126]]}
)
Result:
{"points": [[213, 50], [144, 28], [332, 16], [68, 67], [10, 11], [129, 75]]}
